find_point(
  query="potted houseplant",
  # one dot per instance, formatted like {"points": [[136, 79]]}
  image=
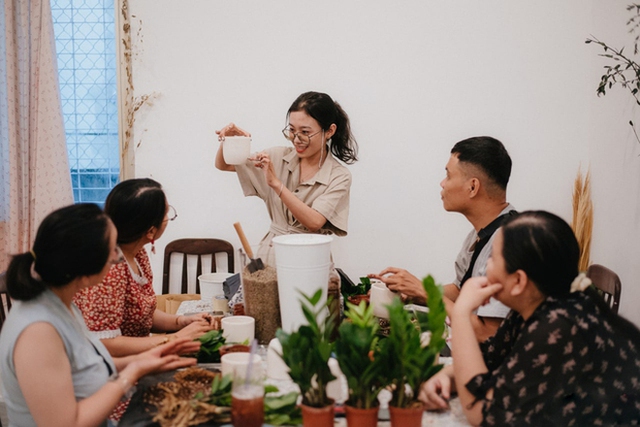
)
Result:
{"points": [[306, 352], [410, 359], [355, 293], [356, 351]]}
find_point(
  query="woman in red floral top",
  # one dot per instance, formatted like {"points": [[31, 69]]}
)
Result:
{"points": [[121, 310]]}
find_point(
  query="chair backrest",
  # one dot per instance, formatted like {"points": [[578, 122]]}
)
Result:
{"points": [[5, 301], [608, 284], [199, 248]]}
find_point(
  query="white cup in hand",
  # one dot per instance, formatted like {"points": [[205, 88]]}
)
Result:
{"points": [[236, 149]]}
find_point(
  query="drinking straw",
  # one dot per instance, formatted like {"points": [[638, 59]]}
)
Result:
{"points": [[252, 351]]}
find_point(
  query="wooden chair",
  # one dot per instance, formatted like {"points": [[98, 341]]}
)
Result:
{"points": [[199, 248], [608, 284], [5, 301]]}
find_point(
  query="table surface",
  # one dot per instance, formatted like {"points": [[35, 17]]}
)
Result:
{"points": [[452, 418], [139, 413]]}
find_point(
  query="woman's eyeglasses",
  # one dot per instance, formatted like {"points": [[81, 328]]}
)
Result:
{"points": [[291, 135], [171, 214]]}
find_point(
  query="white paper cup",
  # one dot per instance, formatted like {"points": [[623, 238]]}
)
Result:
{"points": [[236, 365], [238, 329], [211, 285], [236, 149], [380, 297]]}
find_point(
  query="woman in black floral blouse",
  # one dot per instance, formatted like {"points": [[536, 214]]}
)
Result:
{"points": [[560, 357]]}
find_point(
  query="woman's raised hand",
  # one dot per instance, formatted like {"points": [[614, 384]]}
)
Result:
{"points": [[261, 160], [231, 130], [475, 292]]}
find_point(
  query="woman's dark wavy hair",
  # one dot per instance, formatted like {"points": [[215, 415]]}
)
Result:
{"points": [[326, 112], [71, 242], [544, 246], [134, 206]]}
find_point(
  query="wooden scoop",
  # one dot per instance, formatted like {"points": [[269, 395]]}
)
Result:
{"points": [[255, 264]]}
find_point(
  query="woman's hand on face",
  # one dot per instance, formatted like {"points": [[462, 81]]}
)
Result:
{"points": [[231, 130], [262, 161], [475, 292], [436, 392]]}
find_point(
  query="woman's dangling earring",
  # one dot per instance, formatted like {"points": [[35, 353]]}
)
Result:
{"points": [[153, 246]]}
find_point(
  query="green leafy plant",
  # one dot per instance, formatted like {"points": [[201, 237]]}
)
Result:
{"points": [[278, 410], [410, 361], [210, 344], [356, 351], [360, 289], [307, 351], [282, 410], [623, 70]]}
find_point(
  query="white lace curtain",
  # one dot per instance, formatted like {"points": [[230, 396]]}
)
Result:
{"points": [[34, 167]]}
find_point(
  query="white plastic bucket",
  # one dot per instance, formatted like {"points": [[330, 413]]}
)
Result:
{"points": [[302, 250], [211, 285], [303, 263]]}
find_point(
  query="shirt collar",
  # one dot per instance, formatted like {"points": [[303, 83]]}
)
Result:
{"points": [[324, 174]]}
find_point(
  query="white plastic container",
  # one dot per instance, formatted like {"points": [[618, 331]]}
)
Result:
{"points": [[211, 285], [303, 262], [381, 296]]}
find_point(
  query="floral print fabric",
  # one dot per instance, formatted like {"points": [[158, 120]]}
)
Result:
{"points": [[120, 302], [563, 366]]}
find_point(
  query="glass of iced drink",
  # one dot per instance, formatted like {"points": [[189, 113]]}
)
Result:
{"points": [[247, 401]]}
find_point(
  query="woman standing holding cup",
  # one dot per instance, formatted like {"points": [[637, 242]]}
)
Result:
{"points": [[305, 188]]}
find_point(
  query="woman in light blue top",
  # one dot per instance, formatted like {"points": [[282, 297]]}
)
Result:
{"points": [[54, 373]]}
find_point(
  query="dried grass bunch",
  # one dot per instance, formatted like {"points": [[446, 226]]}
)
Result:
{"points": [[582, 223], [184, 402]]}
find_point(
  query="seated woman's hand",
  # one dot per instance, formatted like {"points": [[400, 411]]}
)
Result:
{"points": [[231, 130], [198, 317], [436, 392], [475, 292], [195, 329], [165, 357]]}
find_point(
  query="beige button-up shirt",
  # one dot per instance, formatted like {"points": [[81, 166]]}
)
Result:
{"points": [[327, 192]]}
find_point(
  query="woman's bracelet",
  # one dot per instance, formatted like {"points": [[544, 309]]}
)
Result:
{"points": [[165, 340], [125, 384], [281, 187]]}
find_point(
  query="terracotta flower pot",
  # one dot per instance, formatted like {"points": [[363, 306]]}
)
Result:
{"points": [[317, 417], [356, 299], [357, 417], [406, 417]]}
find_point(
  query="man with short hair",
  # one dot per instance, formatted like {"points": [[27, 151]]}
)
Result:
{"points": [[476, 186]]}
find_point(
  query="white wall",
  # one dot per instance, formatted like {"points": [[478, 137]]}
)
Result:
{"points": [[415, 77]]}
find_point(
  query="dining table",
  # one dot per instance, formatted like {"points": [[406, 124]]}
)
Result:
{"points": [[139, 413]]}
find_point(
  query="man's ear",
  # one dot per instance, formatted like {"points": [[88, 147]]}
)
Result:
{"points": [[474, 187], [521, 281]]}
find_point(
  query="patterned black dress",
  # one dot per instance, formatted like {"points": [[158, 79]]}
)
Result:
{"points": [[564, 366]]}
